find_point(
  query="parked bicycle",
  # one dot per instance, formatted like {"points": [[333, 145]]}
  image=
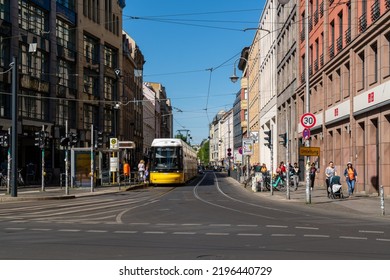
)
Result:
{"points": [[279, 182]]}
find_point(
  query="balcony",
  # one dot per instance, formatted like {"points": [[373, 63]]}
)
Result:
{"points": [[348, 35], [375, 10], [310, 70], [316, 65], [339, 43], [315, 17], [303, 77], [303, 35], [362, 23], [322, 60], [331, 51], [322, 9], [310, 24]]}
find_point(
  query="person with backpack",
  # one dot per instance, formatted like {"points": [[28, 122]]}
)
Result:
{"points": [[351, 178]]}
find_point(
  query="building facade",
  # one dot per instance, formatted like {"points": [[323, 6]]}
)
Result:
{"points": [[71, 61]]}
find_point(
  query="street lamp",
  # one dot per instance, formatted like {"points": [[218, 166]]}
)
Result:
{"points": [[234, 78]]}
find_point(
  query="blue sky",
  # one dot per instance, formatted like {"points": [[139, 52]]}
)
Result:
{"points": [[182, 41]]}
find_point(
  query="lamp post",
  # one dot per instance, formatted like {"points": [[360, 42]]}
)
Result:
{"points": [[234, 78]]}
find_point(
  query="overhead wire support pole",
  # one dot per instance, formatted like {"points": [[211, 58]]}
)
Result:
{"points": [[14, 130], [42, 142], [307, 98]]}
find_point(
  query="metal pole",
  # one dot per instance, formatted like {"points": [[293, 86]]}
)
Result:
{"points": [[382, 195], [272, 162], [287, 160], [43, 158], [14, 130], [66, 161], [9, 159], [307, 97], [248, 125], [92, 158]]}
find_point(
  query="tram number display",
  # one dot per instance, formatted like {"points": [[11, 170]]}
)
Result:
{"points": [[308, 120]]}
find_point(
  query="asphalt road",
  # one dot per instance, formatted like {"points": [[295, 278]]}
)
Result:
{"points": [[210, 218]]}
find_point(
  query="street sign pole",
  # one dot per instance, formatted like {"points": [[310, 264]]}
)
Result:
{"points": [[308, 120]]}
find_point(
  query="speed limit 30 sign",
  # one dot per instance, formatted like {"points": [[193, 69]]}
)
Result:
{"points": [[308, 120]]}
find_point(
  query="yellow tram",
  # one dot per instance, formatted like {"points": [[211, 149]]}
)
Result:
{"points": [[172, 161]]}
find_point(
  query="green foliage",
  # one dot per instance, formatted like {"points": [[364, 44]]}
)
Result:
{"points": [[203, 153]]}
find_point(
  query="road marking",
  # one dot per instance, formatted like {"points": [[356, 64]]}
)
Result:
{"points": [[249, 234], [96, 230], [139, 224], [247, 225], [125, 231], [283, 234], [41, 229], [69, 230], [309, 228], [216, 233], [162, 224], [353, 237], [15, 228], [191, 224], [18, 221], [371, 231], [316, 235], [383, 239], [184, 232], [220, 225], [154, 232], [276, 226]]}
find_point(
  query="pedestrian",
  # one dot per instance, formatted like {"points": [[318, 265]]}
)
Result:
{"points": [[294, 171], [126, 170], [330, 171], [263, 169], [141, 169], [312, 175], [351, 178]]}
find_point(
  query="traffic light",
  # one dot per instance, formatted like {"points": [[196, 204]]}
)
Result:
{"points": [[46, 140], [229, 154], [4, 140], [98, 139], [283, 140], [268, 138], [38, 139]]}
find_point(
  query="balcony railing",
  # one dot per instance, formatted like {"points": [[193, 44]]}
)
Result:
{"points": [[310, 70], [322, 9], [348, 35], [387, 4], [316, 65], [303, 77], [375, 11], [310, 24], [339, 43], [322, 60], [331, 2], [331, 51], [303, 35], [362, 23], [315, 17]]}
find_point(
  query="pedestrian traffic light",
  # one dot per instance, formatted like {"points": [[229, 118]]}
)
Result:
{"points": [[4, 140], [98, 139], [283, 140], [229, 152], [268, 138]]}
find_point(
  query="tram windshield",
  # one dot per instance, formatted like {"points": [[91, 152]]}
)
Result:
{"points": [[166, 158]]}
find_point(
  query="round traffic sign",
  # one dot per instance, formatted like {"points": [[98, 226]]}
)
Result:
{"points": [[306, 133], [308, 120]]}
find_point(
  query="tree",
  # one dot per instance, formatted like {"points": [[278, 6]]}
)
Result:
{"points": [[203, 153]]}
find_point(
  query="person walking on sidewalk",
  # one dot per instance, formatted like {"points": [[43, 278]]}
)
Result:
{"points": [[351, 178], [141, 170], [330, 171], [312, 175]]}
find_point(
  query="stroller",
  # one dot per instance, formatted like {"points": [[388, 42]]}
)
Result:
{"points": [[335, 188]]}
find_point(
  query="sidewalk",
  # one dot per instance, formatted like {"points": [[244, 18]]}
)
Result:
{"points": [[56, 192], [359, 204]]}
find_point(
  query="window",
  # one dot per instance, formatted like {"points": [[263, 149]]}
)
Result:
{"points": [[360, 71], [108, 119], [110, 57], [4, 10], [91, 83], [65, 111], [91, 50], [90, 116], [33, 105], [386, 54], [347, 80], [32, 18], [65, 35], [373, 63], [35, 64], [109, 88]]}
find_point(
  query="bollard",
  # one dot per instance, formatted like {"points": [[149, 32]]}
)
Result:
{"points": [[382, 195]]}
